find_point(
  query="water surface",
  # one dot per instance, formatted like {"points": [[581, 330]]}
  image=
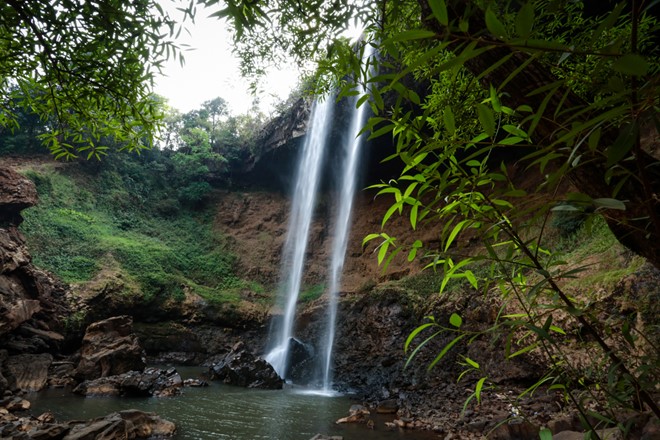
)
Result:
{"points": [[225, 412]]}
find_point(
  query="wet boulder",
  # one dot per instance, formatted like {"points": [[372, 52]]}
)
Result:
{"points": [[241, 368], [28, 372], [151, 382], [301, 361], [110, 348]]}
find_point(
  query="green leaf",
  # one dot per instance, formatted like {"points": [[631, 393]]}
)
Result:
{"points": [[415, 34], [525, 20], [439, 9], [622, 145], [471, 279], [414, 333], [472, 363], [383, 251], [368, 238], [523, 350], [631, 64], [556, 329], [494, 25], [607, 203], [545, 434], [445, 350], [487, 119], [594, 139], [455, 320], [457, 229], [448, 118], [477, 390], [495, 100]]}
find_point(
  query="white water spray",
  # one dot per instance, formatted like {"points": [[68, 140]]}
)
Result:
{"points": [[304, 198], [349, 178]]}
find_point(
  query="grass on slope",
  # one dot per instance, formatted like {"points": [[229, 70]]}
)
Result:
{"points": [[84, 218]]}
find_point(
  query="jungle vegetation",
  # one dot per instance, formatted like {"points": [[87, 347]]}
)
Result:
{"points": [[466, 91]]}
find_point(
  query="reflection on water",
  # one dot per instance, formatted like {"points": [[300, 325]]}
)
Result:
{"points": [[224, 412]]}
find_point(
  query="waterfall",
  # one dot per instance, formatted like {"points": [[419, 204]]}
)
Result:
{"points": [[304, 197], [307, 182], [349, 178]]}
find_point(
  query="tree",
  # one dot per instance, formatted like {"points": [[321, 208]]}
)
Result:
{"points": [[86, 69], [514, 57], [529, 110]]}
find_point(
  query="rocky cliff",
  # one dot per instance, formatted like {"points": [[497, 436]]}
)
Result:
{"points": [[32, 306]]}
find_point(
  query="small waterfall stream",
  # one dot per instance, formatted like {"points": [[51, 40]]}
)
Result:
{"points": [[304, 198], [349, 178]]}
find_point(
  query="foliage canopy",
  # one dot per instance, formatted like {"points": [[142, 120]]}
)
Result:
{"points": [[473, 93], [85, 69]]}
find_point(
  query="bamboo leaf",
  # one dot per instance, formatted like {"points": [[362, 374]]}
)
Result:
{"points": [[487, 119], [477, 390], [383, 251], [414, 34], [439, 9], [608, 203], [472, 363], [525, 20], [419, 347], [545, 434], [414, 334], [524, 350], [622, 145], [494, 25], [448, 118], [631, 64], [444, 351]]}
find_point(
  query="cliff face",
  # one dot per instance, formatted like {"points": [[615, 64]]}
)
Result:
{"points": [[256, 225], [32, 305]]}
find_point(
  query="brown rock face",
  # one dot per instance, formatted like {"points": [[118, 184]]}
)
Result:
{"points": [[110, 348], [29, 372], [16, 194], [31, 301]]}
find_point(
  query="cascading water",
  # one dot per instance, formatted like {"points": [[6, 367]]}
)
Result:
{"points": [[350, 161], [304, 197]]}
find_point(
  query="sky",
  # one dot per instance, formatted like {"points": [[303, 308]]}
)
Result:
{"points": [[211, 71]]}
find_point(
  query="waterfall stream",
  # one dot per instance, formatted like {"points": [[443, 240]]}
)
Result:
{"points": [[349, 178], [293, 258], [304, 197]]}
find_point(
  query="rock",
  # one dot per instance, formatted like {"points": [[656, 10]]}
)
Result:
{"points": [[16, 404], [122, 425], [651, 430], [358, 410], [389, 406], [604, 434], [151, 382], [195, 383], [16, 194], [301, 360], [516, 430], [240, 367], [28, 372], [355, 418], [110, 348], [148, 424], [49, 432]]}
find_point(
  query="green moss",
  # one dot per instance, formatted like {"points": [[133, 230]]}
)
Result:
{"points": [[84, 217], [311, 293]]}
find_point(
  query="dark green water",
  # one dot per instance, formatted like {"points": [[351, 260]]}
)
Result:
{"points": [[224, 412]]}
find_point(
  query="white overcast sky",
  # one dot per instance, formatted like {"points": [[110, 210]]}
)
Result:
{"points": [[211, 70]]}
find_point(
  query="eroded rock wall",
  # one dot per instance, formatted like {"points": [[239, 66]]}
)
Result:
{"points": [[32, 303]]}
